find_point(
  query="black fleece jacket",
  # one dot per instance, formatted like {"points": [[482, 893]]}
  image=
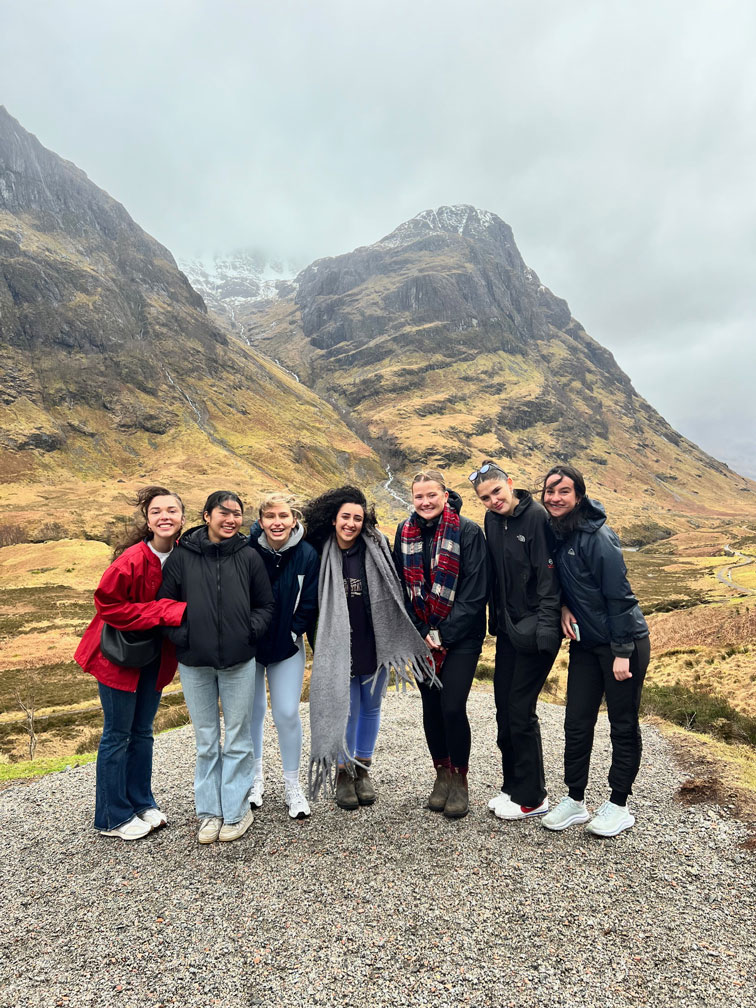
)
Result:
{"points": [[594, 582], [464, 629], [228, 596], [523, 573]]}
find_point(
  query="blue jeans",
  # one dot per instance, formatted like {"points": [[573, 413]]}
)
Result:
{"points": [[364, 714], [285, 684], [124, 756], [223, 774]]}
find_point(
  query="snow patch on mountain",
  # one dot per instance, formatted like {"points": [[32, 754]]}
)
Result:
{"points": [[461, 219], [229, 282]]}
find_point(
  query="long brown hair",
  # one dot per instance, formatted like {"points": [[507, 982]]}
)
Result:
{"points": [[140, 529]]}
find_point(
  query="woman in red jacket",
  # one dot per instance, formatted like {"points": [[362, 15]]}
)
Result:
{"points": [[125, 599]]}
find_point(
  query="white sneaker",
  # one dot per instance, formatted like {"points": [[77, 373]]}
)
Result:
{"points": [[610, 820], [232, 831], [153, 817], [509, 810], [567, 813], [296, 801], [498, 799], [209, 829], [256, 792], [134, 829]]}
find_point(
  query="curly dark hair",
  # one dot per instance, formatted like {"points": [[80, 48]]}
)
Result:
{"points": [[140, 529], [319, 514]]}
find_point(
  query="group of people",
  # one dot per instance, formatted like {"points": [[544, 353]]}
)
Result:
{"points": [[231, 611]]}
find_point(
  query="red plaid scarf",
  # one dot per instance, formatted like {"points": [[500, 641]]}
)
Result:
{"points": [[432, 607]]}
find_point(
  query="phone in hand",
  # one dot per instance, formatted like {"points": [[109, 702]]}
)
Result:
{"points": [[435, 638], [575, 630]]}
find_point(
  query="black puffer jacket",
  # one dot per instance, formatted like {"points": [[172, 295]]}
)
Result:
{"points": [[464, 629], [228, 596], [594, 583], [523, 573]]}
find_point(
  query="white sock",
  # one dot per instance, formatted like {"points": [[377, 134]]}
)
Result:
{"points": [[257, 773], [291, 777]]}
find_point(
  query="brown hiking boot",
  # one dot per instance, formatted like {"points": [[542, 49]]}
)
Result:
{"points": [[363, 786], [346, 796], [457, 804], [440, 792]]}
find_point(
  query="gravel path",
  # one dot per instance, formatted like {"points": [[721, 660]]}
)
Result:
{"points": [[391, 905]]}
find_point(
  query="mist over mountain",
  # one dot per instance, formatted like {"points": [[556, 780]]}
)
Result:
{"points": [[437, 344], [111, 368]]}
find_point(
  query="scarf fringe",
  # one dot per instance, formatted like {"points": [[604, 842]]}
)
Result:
{"points": [[412, 670]]}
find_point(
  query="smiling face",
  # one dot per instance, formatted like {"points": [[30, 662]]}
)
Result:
{"points": [[348, 524], [224, 521], [497, 495], [559, 495], [165, 516], [277, 522], [429, 498]]}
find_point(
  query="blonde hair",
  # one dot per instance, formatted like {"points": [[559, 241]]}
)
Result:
{"points": [[277, 498], [430, 476]]}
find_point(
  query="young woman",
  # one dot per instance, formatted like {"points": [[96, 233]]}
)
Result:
{"points": [[363, 631], [525, 617], [609, 651], [229, 605], [126, 599], [442, 562], [292, 566]]}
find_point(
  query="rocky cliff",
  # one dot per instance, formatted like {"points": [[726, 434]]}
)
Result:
{"points": [[440, 344], [111, 369]]}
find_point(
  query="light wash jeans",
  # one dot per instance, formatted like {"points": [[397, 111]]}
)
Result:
{"points": [[365, 699], [285, 685], [223, 774]]}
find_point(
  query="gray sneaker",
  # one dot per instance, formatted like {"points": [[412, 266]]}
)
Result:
{"points": [[610, 820], [567, 813]]}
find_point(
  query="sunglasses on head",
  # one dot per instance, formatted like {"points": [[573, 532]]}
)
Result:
{"points": [[483, 470]]}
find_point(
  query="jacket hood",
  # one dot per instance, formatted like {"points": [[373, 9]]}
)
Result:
{"points": [[257, 535], [592, 517], [455, 501], [198, 541]]}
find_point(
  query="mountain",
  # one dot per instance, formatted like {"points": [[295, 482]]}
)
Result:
{"points": [[113, 374], [230, 285], [440, 345]]}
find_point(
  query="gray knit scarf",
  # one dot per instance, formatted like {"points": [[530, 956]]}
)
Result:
{"points": [[398, 645]]}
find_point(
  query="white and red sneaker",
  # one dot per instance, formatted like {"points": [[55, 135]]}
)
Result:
{"points": [[509, 810]]}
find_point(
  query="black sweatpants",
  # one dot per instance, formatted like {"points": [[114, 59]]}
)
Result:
{"points": [[589, 679], [518, 680], [447, 730]]}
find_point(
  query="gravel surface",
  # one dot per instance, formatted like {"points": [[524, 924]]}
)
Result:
{"points": [[391, 905]]}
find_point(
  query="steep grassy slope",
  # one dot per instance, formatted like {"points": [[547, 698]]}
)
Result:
{"points": [[112, 374]]}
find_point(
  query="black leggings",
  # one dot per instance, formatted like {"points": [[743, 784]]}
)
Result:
{"points": [[447, 730], [590, 678]]}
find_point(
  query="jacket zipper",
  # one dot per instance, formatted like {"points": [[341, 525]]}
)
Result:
{"points": [[219, 608]]}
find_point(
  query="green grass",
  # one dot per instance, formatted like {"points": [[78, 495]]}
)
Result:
{"points": [[38, 767], [699, 711]]}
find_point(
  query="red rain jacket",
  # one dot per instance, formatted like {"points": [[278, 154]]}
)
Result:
{"points": [[125, 598]]}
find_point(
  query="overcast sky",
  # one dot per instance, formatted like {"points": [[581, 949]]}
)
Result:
{"points": [[617, 139]]}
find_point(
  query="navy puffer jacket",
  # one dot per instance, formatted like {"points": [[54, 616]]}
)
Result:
{"points": [[293, 573], [594, 583]]}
